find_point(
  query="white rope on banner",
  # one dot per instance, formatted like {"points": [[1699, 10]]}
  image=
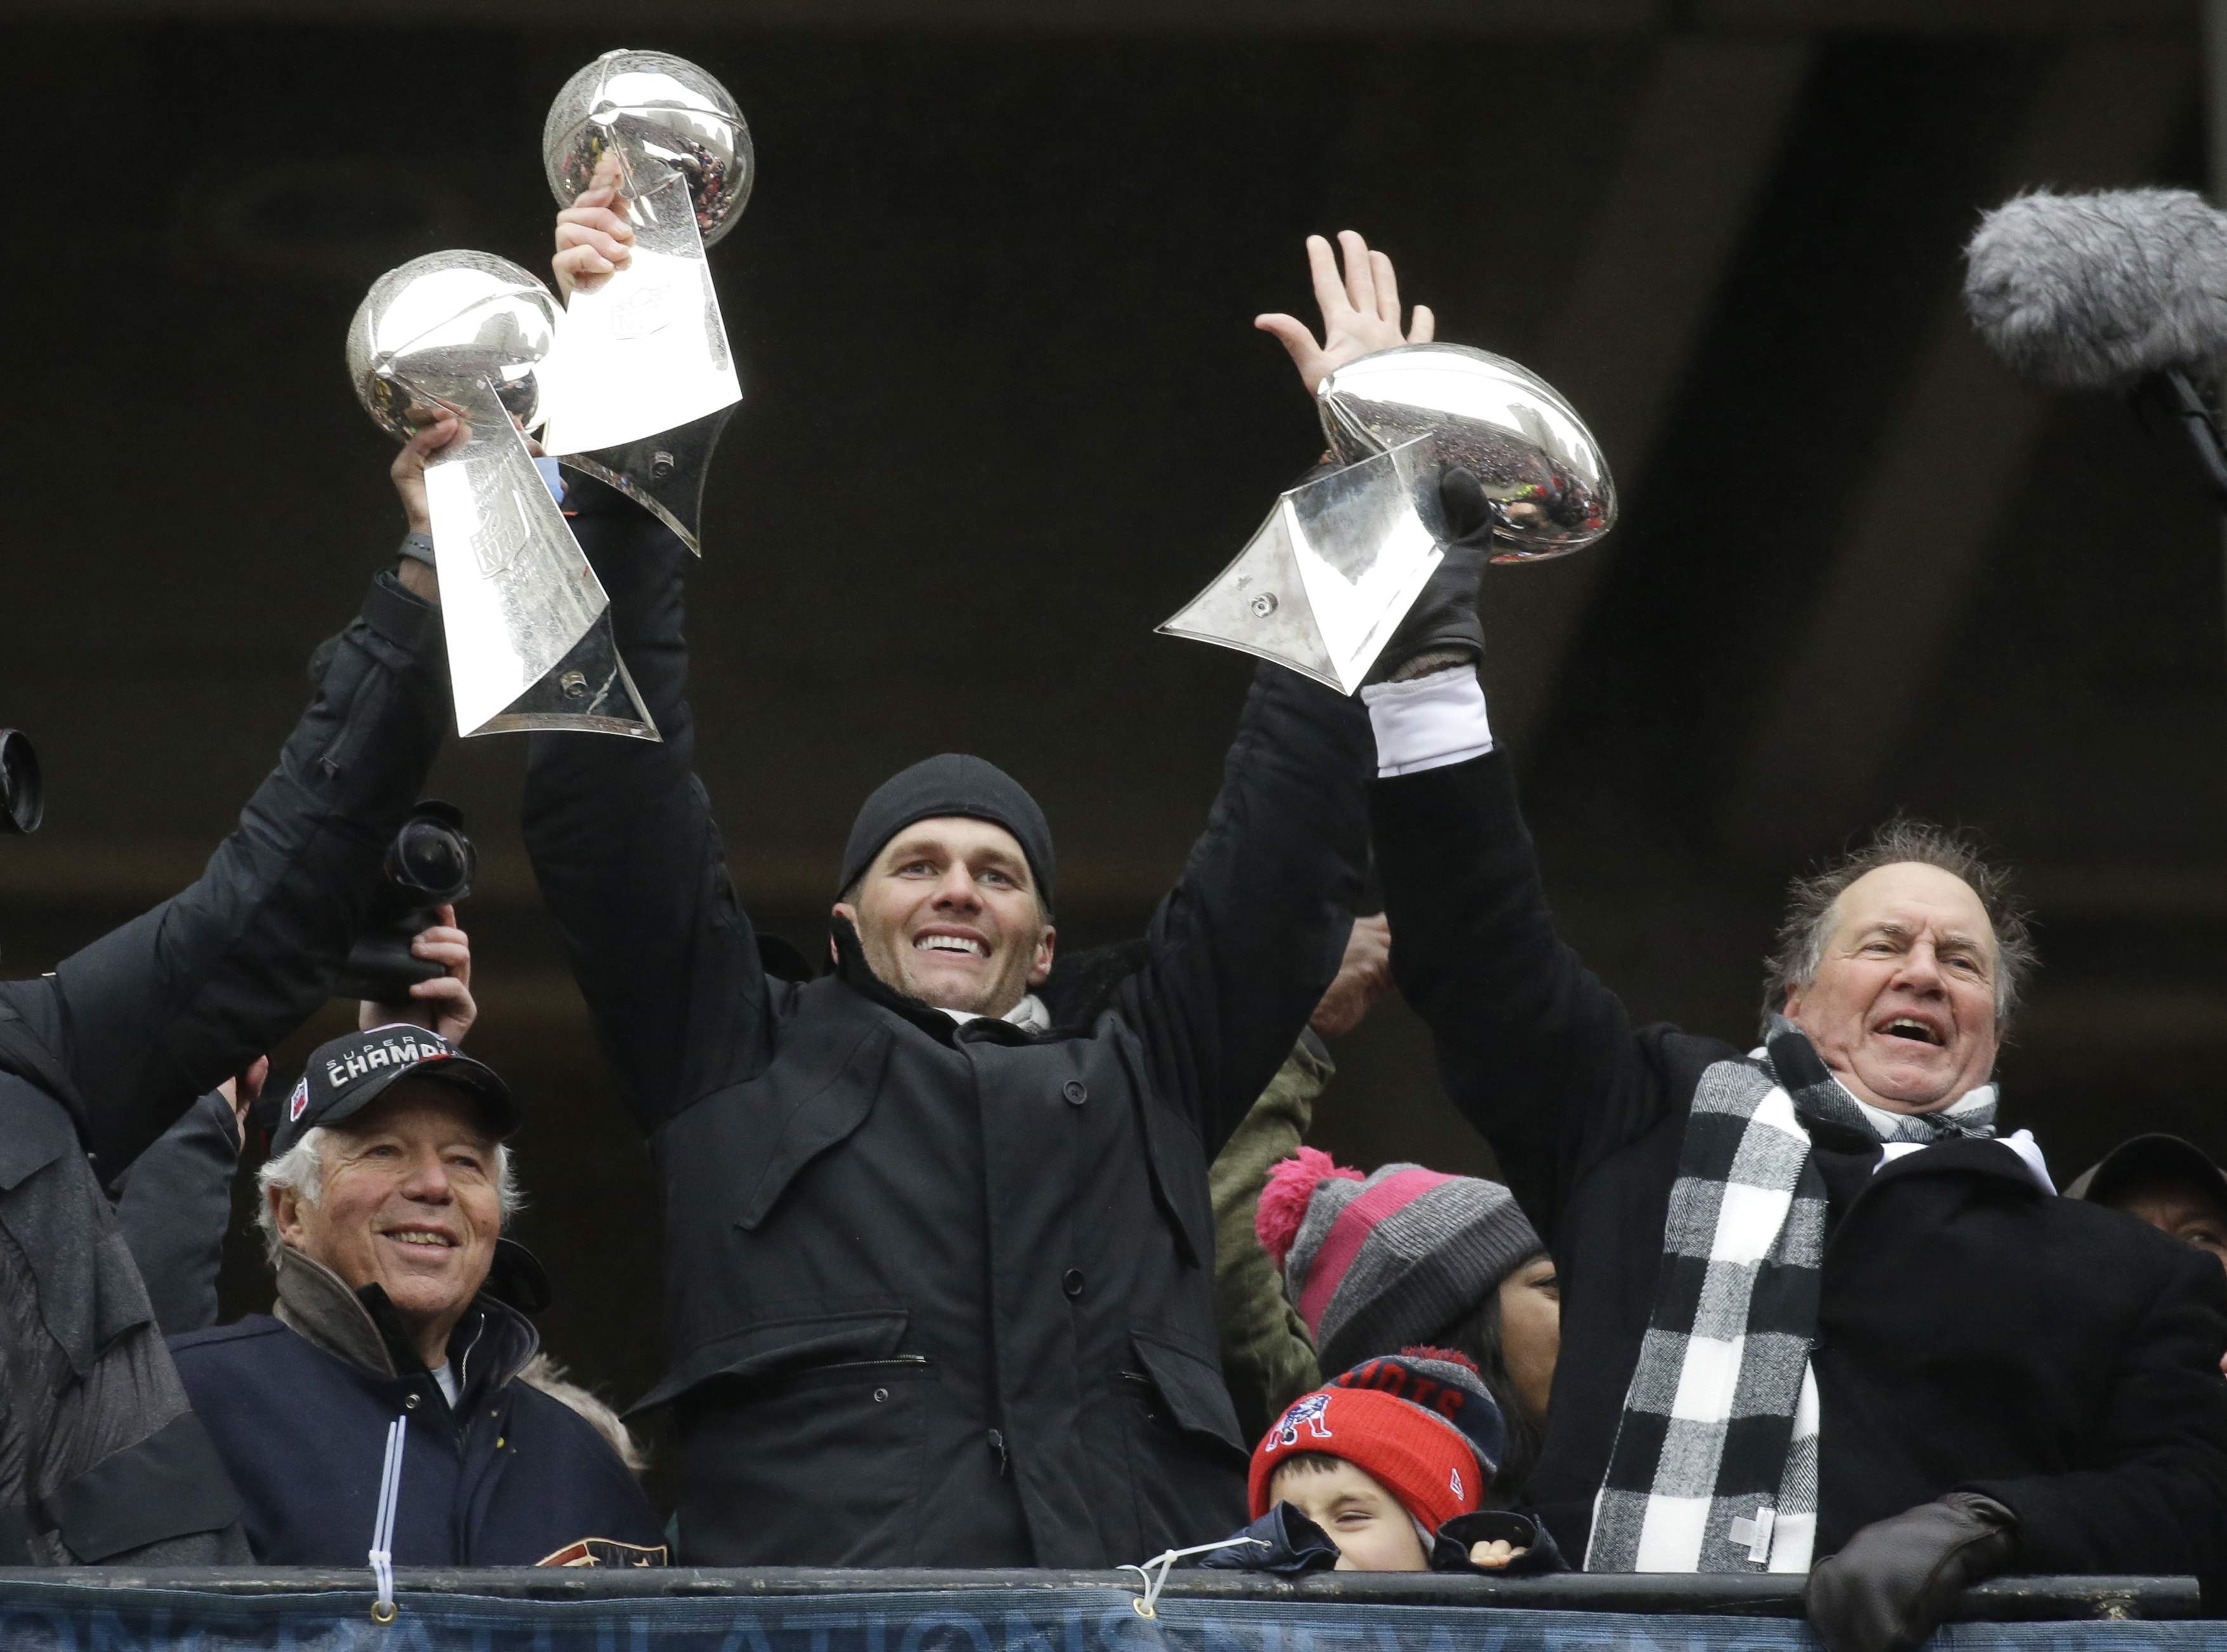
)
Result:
{"points": [[382, 1532], [1146, 1603]]}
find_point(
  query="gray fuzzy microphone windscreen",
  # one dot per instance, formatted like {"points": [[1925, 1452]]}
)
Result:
{"points": [[2098, 291]]}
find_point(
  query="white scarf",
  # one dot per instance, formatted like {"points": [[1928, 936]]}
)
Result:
{"points": [[1714, 1465]]}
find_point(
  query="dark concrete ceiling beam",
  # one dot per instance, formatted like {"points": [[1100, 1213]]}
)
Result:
{"points": [[1955, 16], [1700, 143], [1274, 18], [1870, 649], [2108, 1024], [2148, 888]]}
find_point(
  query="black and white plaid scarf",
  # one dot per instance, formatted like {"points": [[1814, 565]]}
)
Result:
{"points": [[1714, 1467]]}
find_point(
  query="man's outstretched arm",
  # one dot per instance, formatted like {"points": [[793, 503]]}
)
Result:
{"points": [[161, 1011], [1537, 1052], [174, 1201], [1241, 949], [620, 832], [628, 855]]}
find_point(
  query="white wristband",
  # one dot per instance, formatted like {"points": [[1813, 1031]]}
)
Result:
{"points": [[1428, 723]]}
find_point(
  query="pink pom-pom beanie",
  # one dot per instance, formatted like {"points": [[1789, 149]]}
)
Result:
{"points": [[1375, 1263]]}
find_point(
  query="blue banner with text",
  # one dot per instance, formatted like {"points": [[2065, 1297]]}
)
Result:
{"points": [[59, 1616]]}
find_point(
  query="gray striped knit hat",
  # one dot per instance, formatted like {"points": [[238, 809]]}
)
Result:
{"points": [[1375, 1263]]}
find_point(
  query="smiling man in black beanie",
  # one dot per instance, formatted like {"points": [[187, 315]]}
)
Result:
{"points": [[940, 1249], [949, 820]]}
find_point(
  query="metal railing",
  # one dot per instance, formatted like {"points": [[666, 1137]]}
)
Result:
{"points": [[2049, 1599]]}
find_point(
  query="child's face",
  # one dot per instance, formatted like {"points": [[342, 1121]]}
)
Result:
{"points": [[1372, 1531]]}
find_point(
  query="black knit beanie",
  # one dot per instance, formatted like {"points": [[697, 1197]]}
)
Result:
{"points": [[950, 784]]}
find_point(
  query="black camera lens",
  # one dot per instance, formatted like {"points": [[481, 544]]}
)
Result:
{"points": [[431, 856], [23, 794]]}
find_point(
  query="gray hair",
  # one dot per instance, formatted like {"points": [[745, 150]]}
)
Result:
{"points": [[1807, 925], [301, 1170], [545, 1374]]}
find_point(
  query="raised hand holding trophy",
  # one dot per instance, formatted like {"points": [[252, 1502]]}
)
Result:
{"points": [[644, 379], [530, 643], [1325, 581]]}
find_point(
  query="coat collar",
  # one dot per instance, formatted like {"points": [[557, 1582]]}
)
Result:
{"points": [[314, 1303], [362, 1329], [1963, 1156], [852, 970], [1834, 1118]]}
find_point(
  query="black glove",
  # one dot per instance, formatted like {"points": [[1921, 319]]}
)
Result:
{"points": [[1887, 1589], [1443, 618], [1450, 1548]]}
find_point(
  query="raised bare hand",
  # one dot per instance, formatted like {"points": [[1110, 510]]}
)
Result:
{"points": [[1360, 311], [435, 429], [243, 1093], [594, 240]]}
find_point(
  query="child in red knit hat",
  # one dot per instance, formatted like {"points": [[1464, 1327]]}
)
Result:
{"points": [[1382, 1469]]}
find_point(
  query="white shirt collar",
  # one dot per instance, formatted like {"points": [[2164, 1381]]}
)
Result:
{"points": [[1029, 1015], [2020, 1142]]}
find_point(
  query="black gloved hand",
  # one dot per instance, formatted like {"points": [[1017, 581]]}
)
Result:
{"points": [[1887, 1589], [1443, 618], [1536, 1551]]}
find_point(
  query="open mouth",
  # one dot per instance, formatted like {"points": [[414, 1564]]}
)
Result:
{"points": [[1909, 1027], [421, 1238], [962, 945]]}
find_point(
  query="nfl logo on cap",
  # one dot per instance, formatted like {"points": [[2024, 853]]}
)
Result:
{"points": [[299, 1099]]}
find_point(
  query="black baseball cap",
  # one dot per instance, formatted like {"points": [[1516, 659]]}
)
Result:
{"points": [[2147, 1161], [348, 1074]]}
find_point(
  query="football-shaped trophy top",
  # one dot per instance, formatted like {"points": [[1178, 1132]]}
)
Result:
{"points": [[1543, 473]]}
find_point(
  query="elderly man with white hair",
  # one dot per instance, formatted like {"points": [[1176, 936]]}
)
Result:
{"points": [[1815, 1308], [384, 1201]]}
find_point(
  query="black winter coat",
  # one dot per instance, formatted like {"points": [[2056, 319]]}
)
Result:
{"points": [[174, 1203], [1973, 1330], [102, 1459], [299, 1411], [937, 1295]]}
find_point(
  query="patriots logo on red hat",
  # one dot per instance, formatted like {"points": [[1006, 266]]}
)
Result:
{"points": [[299, 1099], [1312, 1412]]}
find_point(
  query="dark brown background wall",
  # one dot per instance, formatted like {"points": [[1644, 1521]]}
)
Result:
{"points": [[1005, 411]]}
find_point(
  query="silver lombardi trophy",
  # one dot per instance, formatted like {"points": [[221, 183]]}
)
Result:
{"points": [[1327, 579], [530, 643], [645, 378]]}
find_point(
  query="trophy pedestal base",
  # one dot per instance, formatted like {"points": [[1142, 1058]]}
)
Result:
{"points": [[1325, 581], [663, 474], [589, 692]]}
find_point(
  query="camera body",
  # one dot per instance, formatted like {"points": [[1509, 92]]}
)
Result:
{"points": [[430, 864]]}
